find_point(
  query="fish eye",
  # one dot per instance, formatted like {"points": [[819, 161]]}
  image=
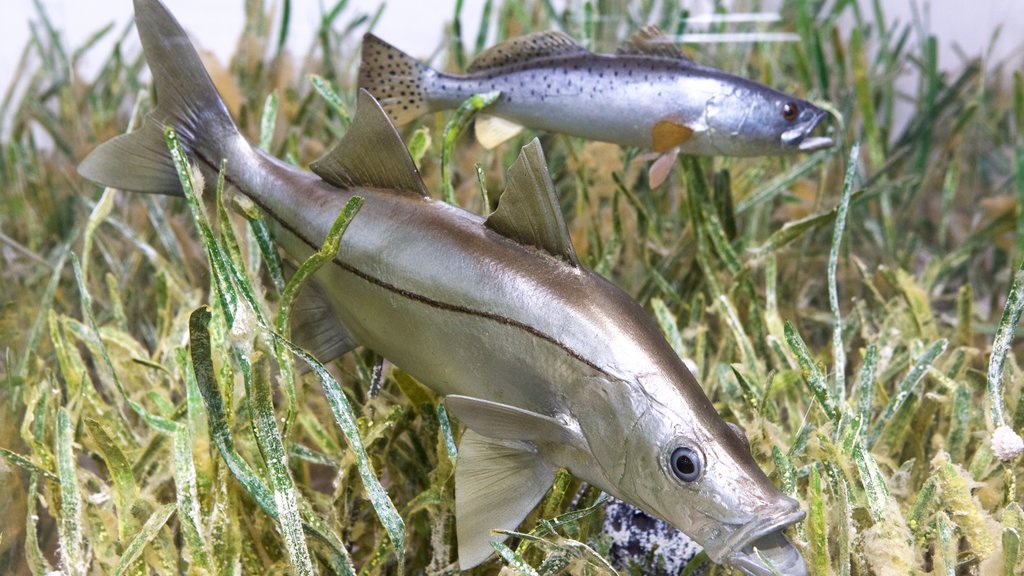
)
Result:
{"points": [[790, 111], [686, 464]]}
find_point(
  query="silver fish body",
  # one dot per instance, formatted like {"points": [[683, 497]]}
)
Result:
{"points": [[650, 96], [548, 364]]}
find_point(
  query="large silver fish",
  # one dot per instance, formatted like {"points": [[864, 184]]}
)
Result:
{"points": [[647, 95], [547, 363]]}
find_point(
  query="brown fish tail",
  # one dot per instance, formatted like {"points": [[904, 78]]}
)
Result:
{"points": [[395, 79]]}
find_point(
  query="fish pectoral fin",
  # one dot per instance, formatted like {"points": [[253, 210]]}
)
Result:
{"points": [[371, 155], [315, 326], [652, 41], [504, 422], [497, 483], [524, 49], [528, 210], [492, 130], [667, 134], [661, 167]]}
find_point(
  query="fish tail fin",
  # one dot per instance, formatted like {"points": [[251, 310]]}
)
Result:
{"points": [[398, 81], [186, 101]]}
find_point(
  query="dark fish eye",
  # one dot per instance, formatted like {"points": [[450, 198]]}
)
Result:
{"points": [[790, 111], [686, 464]]}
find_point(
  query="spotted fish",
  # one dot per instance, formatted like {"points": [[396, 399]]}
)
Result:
{"points": [[545, 362], [647, 95]]}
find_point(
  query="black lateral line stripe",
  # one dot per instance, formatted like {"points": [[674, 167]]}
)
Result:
{"points": [[413, 295]]}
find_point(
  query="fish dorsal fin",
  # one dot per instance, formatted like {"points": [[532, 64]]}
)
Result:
{"points": [[528, 210], [497, 483], [524, 49], [651, 41], [371, 155], [501, 421]]}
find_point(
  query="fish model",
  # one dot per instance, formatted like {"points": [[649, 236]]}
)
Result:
{"points": [[546, 363], [647, 95]]}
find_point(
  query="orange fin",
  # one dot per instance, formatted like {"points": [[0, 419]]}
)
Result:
{"points": [[666, 135]]}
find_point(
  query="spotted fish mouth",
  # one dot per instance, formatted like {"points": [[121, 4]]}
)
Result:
{"points": [[801, 137], [763, 550]]}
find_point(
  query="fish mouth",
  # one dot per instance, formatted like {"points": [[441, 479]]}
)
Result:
{"points": [[761, 549], [800, 137]]}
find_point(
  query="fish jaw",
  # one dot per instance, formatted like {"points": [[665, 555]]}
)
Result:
{"points": [[799, 138], [745, 548]]}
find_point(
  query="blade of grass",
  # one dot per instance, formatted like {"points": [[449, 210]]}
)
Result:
{"points": [[268, 437], [906, 387], [463, 114], [73, 557], [149, 530], [838, 349]]}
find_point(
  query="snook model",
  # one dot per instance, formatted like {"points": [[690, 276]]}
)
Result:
{"points": [[545, 362]]}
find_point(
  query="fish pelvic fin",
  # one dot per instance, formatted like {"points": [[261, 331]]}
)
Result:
{"points": [[316, 327], [186, 101], [497, 484], [395, 79]]}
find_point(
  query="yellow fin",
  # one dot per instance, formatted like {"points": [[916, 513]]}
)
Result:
{"points": [[666, 135], [492, 131]]}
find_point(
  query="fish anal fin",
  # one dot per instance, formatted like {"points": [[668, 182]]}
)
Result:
{"points": [[651, 41], [492, 130], [497, 484], [525, 49], [315, 326], [667, 134], [501, 421], [371, 155], [528, 210]]}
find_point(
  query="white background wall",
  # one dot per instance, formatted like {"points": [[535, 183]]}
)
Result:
{"points": [[416, 25]]}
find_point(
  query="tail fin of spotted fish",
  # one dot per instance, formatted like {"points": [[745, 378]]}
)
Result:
{"points": [[395, 79], [186, 100]]}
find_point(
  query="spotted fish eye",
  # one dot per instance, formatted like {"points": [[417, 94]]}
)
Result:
{"points": [[686, 464], [790, 111]]}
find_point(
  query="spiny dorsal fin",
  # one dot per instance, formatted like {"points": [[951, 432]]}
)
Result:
{"points": [[371, 155], [525, 48], [651, 41], [528, 210]]}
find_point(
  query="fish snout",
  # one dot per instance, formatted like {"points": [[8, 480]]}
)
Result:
{"points": [[799, 137], [761, 549]]}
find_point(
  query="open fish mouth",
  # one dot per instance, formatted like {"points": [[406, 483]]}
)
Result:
{"points": [[763, 550], [801, 138]]}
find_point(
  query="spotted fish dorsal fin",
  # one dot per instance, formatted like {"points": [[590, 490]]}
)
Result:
{"points": [[652, 41], [524, 49], [528, 210], [371, 155]]}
